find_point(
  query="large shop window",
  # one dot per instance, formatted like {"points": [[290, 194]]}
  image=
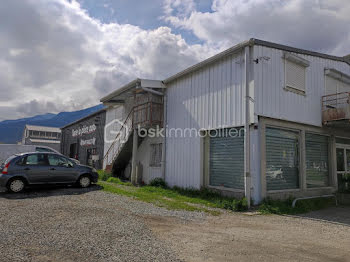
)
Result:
{"points": [[226, 158], [282, 159], [317, 162]]}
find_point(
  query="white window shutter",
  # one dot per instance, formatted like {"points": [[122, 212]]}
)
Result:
{"points": [[295, 76]]}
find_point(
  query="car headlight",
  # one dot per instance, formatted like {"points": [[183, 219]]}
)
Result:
{"points": [[94, 170]]}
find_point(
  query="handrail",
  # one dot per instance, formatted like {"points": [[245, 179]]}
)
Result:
{"points": [[123, 126], [342, 93], [133, 117], [336, 100]]}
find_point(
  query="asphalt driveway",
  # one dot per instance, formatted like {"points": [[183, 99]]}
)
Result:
{"points": [[72, 224]]}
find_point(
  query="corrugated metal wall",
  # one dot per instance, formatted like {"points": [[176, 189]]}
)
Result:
{"points": [[209, 98], [271, 100]]}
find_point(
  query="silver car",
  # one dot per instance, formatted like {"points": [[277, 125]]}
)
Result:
{"points": [[38, 168]]}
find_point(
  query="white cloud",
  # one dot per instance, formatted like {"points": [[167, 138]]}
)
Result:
{"points": [[56, 57], [311, 24]]}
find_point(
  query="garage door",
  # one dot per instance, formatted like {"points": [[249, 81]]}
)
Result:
{"points": [[317, 171], [282, 159], [227, 159]]}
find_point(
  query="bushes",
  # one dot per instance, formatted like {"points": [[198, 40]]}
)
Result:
{"points": [[233, 204], [116, 180], [215, 198], [103, 175], [280, 207], [158, 182]]}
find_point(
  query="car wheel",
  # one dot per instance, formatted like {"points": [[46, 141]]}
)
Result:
{"points": [[84, 181], [16, 185]]}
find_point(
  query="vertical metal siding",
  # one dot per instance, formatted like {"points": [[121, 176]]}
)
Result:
{"points": [[271, 100], [210, 98]]}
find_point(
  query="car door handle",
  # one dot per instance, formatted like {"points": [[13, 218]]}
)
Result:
{"points": [[27, 168], [52, 168]]}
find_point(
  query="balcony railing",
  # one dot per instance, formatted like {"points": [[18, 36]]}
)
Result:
{"points": [[335, 108], [148, 114]]}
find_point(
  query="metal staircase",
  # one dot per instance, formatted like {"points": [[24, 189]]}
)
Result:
{"points": [[120, 140], [147, 113]]}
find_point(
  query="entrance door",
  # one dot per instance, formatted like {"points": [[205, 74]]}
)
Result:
{"points": [[343, 165]]}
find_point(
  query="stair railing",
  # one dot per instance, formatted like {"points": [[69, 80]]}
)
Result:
{"points": [[120, 139]]}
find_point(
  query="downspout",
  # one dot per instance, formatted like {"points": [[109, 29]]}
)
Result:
{"points": [[164, 138], [247, 177]]}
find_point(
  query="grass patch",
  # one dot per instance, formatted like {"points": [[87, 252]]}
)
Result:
{"points": [[107, 176], [284, 207], [116, 180], [203, 200], [175, 198], [157, 196]]}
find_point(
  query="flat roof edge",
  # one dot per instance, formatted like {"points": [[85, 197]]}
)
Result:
{"points": [[230, 51], [251, 42], [297, 50]]}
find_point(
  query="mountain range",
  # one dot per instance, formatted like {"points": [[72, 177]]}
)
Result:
{"points": [[11, 130]]}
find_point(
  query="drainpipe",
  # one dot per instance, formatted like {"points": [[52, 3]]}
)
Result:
{"points": [[164, 139], [133, 158], [247, 177]]}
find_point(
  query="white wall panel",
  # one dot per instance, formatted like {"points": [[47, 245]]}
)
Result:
{"points": [[120, 113], [143, 157], [211, 97], [271, 100]]}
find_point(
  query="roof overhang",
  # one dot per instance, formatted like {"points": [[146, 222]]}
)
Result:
{"points": [[121, 94]]}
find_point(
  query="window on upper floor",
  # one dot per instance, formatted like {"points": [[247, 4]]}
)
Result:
{"points": [[336, 82], [295, 73]]}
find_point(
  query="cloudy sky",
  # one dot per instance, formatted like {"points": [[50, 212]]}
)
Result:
{"points": [[63, 55]]}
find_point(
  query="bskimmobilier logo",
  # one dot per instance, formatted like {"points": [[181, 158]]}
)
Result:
{"points": [[116, 130]]}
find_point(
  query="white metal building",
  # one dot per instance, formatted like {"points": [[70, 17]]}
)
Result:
{"points": [[293, 103]]}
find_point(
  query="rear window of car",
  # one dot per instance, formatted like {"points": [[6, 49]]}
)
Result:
{"points": [[36, 160], [9, 159]]}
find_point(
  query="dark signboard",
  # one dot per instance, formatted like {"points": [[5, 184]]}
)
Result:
{"points": [[84, 139]]}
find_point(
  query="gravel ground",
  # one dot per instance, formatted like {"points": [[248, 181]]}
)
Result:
{"points": [[73, 224]]}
